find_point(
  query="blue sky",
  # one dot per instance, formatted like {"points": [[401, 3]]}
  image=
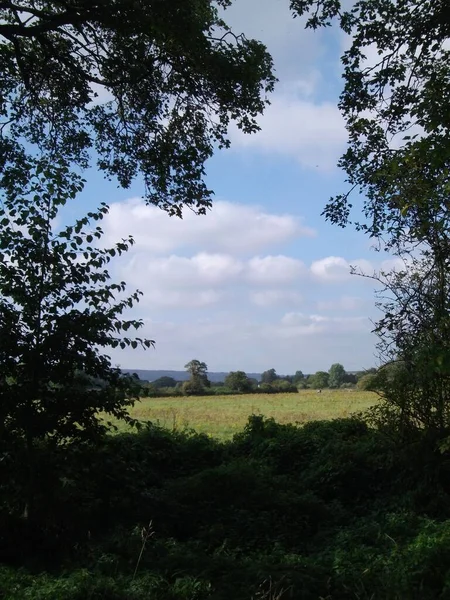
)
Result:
{"points": [[262, 281]]}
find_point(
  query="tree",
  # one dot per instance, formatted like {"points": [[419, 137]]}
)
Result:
{"points": [[414, 334], [237, 381], [298, 378], [149, 88], [336, 375], [398, 158], [58, 314], [366, 382], [396, 114], [283, 385], [164, 382], [269, 376], [350, 378], [199, 377], [319, 380]]}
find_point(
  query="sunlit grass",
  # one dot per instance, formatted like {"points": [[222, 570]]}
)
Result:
{"points": [[223, 416]]}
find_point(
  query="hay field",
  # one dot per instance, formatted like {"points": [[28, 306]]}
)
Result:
{"points": [[223, 416]]}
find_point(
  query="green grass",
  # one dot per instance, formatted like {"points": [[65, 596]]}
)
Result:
{"points": [[223, 416]]}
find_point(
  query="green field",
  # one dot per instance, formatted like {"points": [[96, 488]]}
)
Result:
{"points": [[223, 416]]}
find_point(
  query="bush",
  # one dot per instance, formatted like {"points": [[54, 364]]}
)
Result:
{"points": [[332, 509], [367, 382]]}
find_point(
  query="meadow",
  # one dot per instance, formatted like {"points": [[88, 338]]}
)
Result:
{"points": [[223, 416]]}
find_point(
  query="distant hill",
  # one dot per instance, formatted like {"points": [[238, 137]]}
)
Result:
{"points": [[145, 375]]}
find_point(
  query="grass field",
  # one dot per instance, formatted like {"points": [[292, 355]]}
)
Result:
{"points": [[223, 416]]}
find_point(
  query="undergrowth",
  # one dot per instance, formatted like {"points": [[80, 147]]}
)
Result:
{"points": [[329, 510]]}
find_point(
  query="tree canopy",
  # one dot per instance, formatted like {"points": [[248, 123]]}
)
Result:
{"points": [[238, 381], [336, 375], [164, 381], [144, 88], [59, 312], [396, 111], [269, 376], [319, 380], [198, 381]]}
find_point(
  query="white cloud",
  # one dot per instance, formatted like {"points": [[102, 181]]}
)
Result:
{"points": [[345, 303], [269, 298], [176, 280], [181, 299], [230, 228], [270, 270], [336, 268], [182, 272], [295, 323], [312, 133], [229, 342]]}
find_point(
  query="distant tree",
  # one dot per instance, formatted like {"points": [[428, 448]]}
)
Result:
{"points": [[164, 382], [198, 377], [238, 381], [265, 388], [350, 378], [193, 387], [298, 377], [318, 380], [269, 376], [283, 385], [336, 375], [148, 390]]}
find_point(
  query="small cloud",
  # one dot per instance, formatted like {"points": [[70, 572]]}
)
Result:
{"points": [[180, 271], [336, 268], [270, 270], [182, 299], [342, 303], [268, 298], [295, 323]]}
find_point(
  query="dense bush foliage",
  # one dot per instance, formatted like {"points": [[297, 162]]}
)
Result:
{"points": [[330, 509]]}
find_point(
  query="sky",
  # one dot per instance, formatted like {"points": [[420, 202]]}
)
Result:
{"points": [[262, 281]]}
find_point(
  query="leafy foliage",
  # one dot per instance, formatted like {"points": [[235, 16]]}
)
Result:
{"points": [[319, 380], [332, 509], [164, 382], [150, 88], [396, 114], [57, 312], [237, 381], [336, 375], [396, 111], [414, 343], [198, 381], [298, 378], [269, 376]]}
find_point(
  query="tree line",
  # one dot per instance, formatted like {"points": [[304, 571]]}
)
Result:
{"points": [[238, 382]]}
